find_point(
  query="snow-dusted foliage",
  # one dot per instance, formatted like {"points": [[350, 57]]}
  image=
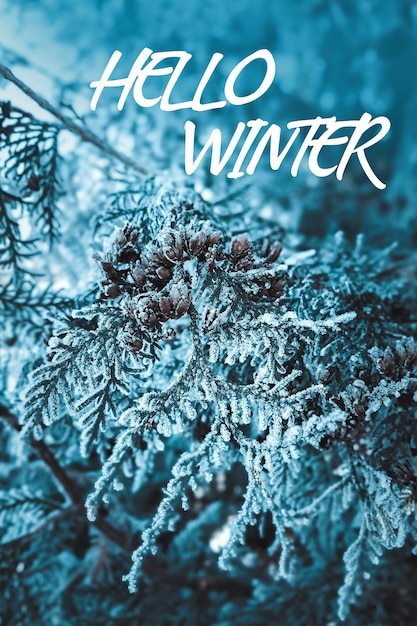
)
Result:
{"points": [[289, 365], [209, 390]]}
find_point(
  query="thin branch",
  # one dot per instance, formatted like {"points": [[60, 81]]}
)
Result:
{"points": [[84, 133], [69, 485]]}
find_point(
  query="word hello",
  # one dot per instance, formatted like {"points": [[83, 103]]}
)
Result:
{"points": [[249, 140]]}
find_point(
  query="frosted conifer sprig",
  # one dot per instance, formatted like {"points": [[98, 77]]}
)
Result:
{"points": [[156, 281], [214, 340]]}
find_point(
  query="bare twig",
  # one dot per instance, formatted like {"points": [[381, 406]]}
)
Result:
{"points": [[84, 133]]}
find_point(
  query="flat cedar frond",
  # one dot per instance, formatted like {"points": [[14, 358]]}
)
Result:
{"points": [[14, 250], [29, 159], [22, 304], [292, 377], [23, 512]]}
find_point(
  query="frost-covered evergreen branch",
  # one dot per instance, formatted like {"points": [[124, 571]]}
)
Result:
{"points": [[69, 486], [287, 369]]}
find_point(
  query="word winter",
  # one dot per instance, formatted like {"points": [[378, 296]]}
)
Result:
{"points": [[247, 150], [272, 135]]}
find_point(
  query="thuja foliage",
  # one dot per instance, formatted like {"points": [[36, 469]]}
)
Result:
{"points": [[29, 190], [220, 431], [29, 164]]}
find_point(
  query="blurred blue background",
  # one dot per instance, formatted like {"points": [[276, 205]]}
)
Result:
{"points": [[333, 58]]}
